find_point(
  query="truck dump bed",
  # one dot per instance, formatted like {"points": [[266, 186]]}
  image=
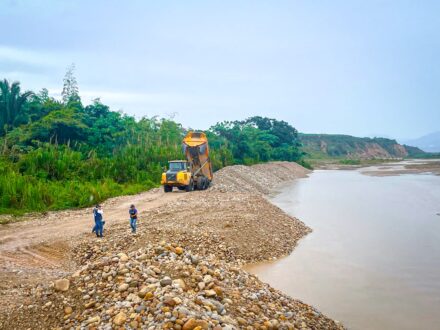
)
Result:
{"points": [[196, 149]]}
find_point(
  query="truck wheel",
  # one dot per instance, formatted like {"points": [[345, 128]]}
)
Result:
{"points": [[200, 183], [205, 183], [190, 187], [167, 188]]}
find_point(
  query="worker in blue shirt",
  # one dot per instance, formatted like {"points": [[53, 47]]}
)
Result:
{"points": [[99, 223], [133, 218]]}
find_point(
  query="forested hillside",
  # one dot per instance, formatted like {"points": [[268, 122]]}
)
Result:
{"points": [[318, 146], [58, 154]]}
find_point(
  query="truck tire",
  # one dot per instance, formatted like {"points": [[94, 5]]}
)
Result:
{"points": [[167, 188], [206, 183], [200, 183], [190, 187]]}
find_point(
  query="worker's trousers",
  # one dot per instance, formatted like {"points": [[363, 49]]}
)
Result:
{"points": [[133, 225], [99, 227]]}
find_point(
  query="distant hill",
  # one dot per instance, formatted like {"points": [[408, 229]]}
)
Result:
{"points": [[351, 147], [429, 143]]}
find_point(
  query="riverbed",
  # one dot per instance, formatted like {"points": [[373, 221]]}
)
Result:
{"points": [[373, 258]]}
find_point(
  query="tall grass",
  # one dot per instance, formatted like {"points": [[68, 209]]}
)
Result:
{"points": [[56, 177], [23, 193]]}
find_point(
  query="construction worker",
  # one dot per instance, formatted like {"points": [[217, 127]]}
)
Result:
{"points": [[133, 218], [95, 209], [99, 223]]}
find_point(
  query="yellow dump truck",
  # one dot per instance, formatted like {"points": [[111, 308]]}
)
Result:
{"points": [[193, 173]]}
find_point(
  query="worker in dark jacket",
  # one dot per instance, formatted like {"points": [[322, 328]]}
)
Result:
{"points": [[133, 218], [99, 223]]}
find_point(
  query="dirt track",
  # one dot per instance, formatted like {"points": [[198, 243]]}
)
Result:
{"points": [[38, 242], [66, 224], [38, 248]]}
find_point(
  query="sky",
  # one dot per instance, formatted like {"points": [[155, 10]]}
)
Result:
{"points": [[364, 68]]}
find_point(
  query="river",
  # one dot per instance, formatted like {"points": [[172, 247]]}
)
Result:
{"points": [[373, 258]]}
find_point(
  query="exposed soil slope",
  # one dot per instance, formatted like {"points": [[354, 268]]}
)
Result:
{"points": [[352, 147]]}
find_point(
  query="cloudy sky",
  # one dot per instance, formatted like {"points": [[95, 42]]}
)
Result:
{"points": [[355, 67]]}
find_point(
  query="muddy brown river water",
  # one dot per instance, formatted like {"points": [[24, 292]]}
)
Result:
{"points": [[373, 258]]}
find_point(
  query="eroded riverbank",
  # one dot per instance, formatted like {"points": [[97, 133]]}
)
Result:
{"points": [[181, 271]]}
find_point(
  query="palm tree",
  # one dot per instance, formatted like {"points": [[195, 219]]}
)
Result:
{"points": [[11, 103]]}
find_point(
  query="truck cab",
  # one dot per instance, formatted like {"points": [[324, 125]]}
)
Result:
{"points": [[178, 175]]}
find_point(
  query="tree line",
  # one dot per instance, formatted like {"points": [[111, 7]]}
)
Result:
{"points": [[59, 154]]}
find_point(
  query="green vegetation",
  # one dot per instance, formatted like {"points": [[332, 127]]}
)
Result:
{"points": [[257, 139], [350, 162], [333, 146], [62, 154], [414, 152], [12, 103]]}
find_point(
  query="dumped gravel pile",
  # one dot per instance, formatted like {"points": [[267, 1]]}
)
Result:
{"points": [[260, 178], [166, 287], [215, 223]]}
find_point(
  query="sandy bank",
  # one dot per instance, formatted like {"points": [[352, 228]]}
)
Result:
{"points": [[182, 269], [415, 166]]}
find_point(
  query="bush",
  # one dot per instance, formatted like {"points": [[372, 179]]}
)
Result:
{"points": [[350, 162]]}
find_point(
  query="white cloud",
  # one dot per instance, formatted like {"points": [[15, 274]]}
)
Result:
{"points": [[126, 97], [30, 57]]}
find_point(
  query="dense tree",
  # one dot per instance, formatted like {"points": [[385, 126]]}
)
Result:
{"points": [[259, 139], [12, 104]]}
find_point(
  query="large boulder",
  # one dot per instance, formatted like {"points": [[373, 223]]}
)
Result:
{"points": [[120, 318], [193, 323], [62, 285]]}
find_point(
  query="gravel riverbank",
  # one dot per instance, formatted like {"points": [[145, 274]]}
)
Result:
{"points": [[182, 270]]}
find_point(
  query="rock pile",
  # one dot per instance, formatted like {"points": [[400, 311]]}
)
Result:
{"points": [[260, 178], [214, 223], [168, 287]]}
